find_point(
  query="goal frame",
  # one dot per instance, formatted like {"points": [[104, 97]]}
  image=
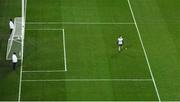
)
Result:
{"points": [[16, 39]]}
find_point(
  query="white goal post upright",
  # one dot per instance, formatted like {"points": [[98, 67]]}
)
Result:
{"points": [[23, 24], [16, 39], [23, 8]]}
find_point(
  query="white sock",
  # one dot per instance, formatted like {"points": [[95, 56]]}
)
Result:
{"points": [[119, 48]]}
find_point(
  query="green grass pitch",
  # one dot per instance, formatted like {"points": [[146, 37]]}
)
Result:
{"points": [[70, 51]]}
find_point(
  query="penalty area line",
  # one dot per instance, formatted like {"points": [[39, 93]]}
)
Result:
{"points": [[45, 29], [64, 48], [83, 23], [43, 71], [59, 80], [144, 50]]}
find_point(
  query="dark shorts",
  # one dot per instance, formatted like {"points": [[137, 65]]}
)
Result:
{"points": [[120, 45], [11, 31], [14, 66]]}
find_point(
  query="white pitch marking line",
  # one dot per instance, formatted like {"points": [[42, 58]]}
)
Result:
{"points": [[147, 60], [43, 71], [82, 23], [20, 82], [45, 29], [56, 80], [23, 11], [64, 47]]}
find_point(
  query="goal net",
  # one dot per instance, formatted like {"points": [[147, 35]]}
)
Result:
{"points": [[15, 41]]}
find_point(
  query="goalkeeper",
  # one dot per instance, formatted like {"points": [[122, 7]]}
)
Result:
{"points": [[14, 60], [11, 25]]}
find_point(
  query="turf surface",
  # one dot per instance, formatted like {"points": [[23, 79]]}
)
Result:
{"points": [[9, 79], [93, 61]]}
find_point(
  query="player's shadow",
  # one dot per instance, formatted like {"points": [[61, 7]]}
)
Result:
{"points": [[123, 53], [6, 68]]}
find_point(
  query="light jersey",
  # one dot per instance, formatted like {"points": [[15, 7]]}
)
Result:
{"points": [[11, 25], [14, 58], [120, 41]]}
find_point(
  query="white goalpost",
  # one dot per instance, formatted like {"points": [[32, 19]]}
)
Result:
{"points": [[23, 14], [15, 41]]}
